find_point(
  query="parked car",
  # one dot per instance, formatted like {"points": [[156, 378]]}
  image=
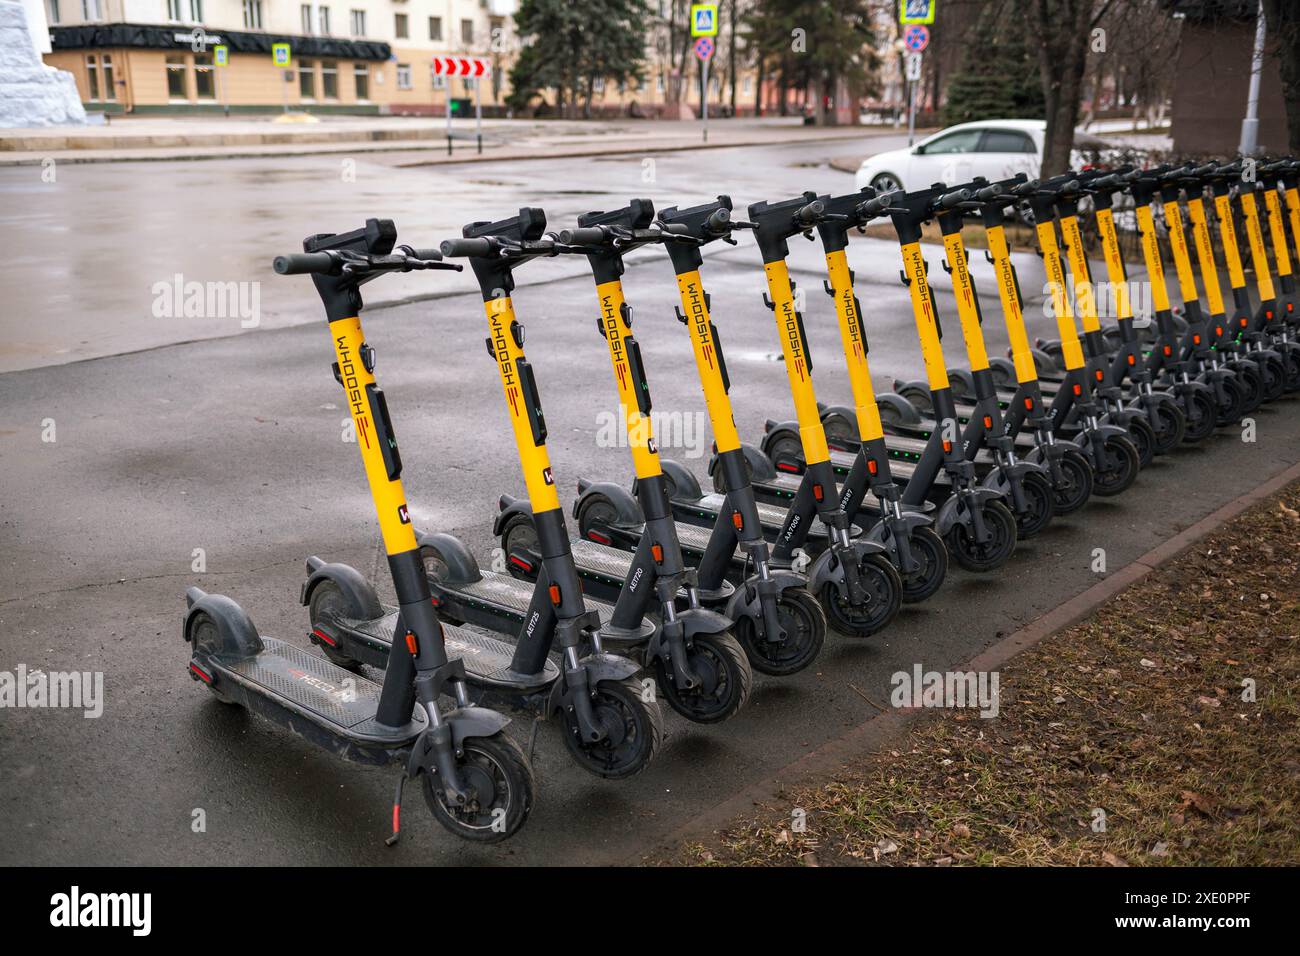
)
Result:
{"points": [[994, 149]]}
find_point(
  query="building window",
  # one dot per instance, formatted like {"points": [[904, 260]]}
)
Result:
{"points": [[435, 28], [305, 18], [329, 79], [659, 82], [404, 76], [361, 73], [52, 10], [325, 21], [358, 23], [176, 77], [253, 14], [92, 78], [400, 29], [90, 9], [196, 11], [174, 10], [439, 81], [106, 67], [598, 84], [205, 81], [307, 79], [748, 85], [467, 32]]}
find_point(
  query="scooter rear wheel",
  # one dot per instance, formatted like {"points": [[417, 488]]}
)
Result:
{"points": [[928, 548], [1121, 467], [1076, 487], [328, 603], [1201, 415], [633, 731], [805, 632], [1041, 505], [991, 555], [725, 678], [503, 782], [886, 596]]}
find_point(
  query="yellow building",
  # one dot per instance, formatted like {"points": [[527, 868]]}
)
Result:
{"points": [[346, 56]]}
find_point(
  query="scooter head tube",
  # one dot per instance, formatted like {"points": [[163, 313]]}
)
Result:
{"points": [[1145, 183], [994, 198], [775, 222], [1043, 199], [495, 248], [698, 225], [842, 213], [340, 292], [910, 211], [606, 236]]}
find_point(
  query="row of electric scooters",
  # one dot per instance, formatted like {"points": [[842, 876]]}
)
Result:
{"points": [[669, 592]]}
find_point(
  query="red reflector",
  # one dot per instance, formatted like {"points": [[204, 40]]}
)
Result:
{"points": [[738, 521], [988, 421], [520, 563], [435, 602], [1268, 314], [1078, 390], [657, 552], [555, 594], [947, 447], [598, 537], [324, 637], [1029, 404], [818, 492], [1218, 331], [1132, 360], [1168, 350], [1196, 340], [786, 466], [197, 672], [411, 644], [1290, 306], [1243, 323], [1099, 374], [872, 467]]}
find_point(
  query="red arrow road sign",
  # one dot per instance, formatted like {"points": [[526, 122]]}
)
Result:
{"points": [[461, 66]]}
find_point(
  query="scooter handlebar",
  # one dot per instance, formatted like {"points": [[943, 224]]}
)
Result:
{"points": [[719, 223], [301, 263], [428, 255], [468, 248], [952, 200], [582, 236], [810, 213]]}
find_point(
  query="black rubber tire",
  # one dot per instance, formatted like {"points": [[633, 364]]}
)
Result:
{"points": [[1274, 376], [1143, 437], [520, 533], [883, 581], [786, 445], [1291, 370], [1077, 488], [1229, 411], [720, 661], [1201, 416], [1042, 505], [205, 638], [328, 601], [839, 428], [496, 763], [1122, 456], [435, 571], [982, 559], [635, 729], [1251, 381], [929, 548], [1169, 426], [805, 625]]}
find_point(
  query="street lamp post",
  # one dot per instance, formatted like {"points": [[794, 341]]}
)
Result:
{"points": [[1250, 125]]}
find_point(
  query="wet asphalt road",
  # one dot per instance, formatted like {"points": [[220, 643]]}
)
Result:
{"points": [[233, 445]]}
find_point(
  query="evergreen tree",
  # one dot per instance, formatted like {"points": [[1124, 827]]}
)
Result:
{"points": [[999, 77]]}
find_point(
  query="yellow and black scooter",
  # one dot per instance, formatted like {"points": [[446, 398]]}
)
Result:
{"points": [[608, 725], [476, 780], [1279, 325]]}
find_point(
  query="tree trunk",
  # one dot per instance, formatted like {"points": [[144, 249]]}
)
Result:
{"points": [[758, 87], [1064, 33], [731, 55], [1283, 19]]}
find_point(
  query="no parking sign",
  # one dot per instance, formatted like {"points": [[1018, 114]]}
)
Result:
{"points": [[916, 38]]}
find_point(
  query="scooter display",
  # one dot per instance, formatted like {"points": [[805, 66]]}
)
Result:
{"points": [[476, 781], [609, 728], [699, 664], [777, 619]]}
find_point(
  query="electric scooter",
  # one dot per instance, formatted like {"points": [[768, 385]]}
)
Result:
{"points": [[477, 782], [777, 619], [699, 664], [607, 725], [1276, 314]]}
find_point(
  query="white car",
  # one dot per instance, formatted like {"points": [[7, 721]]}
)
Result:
{"points": [[994, 149]]}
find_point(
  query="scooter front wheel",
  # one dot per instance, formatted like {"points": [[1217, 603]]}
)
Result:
{"points": [[805, 632], [1040, 502], [1143, 438], [1252, 386], [501, 779], [1229, 411], [993, 553], [885, 596], [725, 678], [1201, 416], [1120, 468], [1169, 423], [633, 731], [929, 550], [1274, 378], [1075, 487]]}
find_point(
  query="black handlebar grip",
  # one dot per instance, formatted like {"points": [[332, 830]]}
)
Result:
{"points": [[428, 255], [298, 263], [718, 223], [471, 248], [954, 198], [988, 193], [1110, 182], [810, 213], [583, 236]]}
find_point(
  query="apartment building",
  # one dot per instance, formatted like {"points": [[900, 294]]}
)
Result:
{"points": [[347, 56]]}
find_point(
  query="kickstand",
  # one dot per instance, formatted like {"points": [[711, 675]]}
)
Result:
{"points": [[532, 737], [397, 813]]}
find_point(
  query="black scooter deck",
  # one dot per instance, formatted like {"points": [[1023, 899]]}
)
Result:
{"points": [[704, 512], [509, 595]]}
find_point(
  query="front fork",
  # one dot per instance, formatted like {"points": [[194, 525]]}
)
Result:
{"points": [[836, 520], [749, 534]]}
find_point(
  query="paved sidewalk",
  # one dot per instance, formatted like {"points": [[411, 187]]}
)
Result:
{"points": [[131, 139]]}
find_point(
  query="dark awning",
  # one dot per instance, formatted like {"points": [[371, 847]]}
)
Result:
{"points": [[110, 35]]}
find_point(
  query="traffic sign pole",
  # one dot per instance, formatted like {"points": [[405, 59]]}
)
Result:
{"points": [[478, 112]]}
